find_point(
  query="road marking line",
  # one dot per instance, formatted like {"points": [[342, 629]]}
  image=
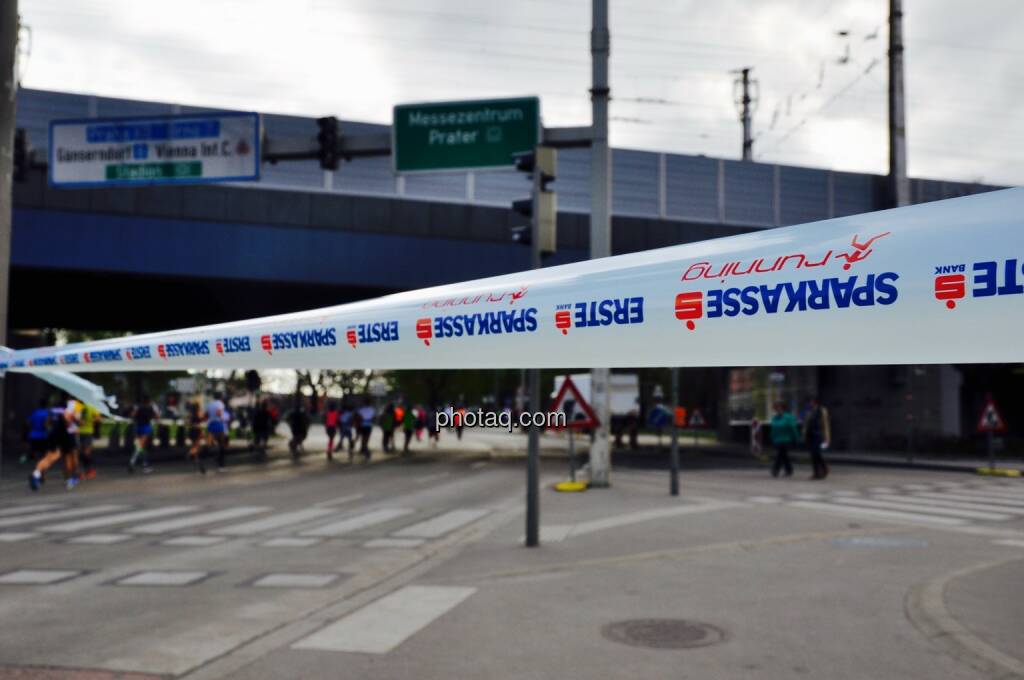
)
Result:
{"points": [[15, 536], [386, 623], [36, 577], [917, 487], [197, 520], [552, 533], [878, 514], [846, 493], [163, 578], [479, 464], [286, 580], [442, 524], [984, 507], [275, 522], [351, 524], [340, 500], [932, 509], [972, 498], [394, 543], [291, 542], [59, 514], [645, 516], [31, 507], [807, 496], [100, 539], [766, 500], [432, 478], [194, 541], [1012, 542], [883, 489], [123, 518]]}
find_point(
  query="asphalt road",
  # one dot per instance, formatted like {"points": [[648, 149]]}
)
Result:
{"points": [[414, 569]]}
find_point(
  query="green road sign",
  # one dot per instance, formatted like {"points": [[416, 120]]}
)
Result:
{"points": [[464, 135]]}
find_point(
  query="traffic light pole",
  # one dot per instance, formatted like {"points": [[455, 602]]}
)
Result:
{"points": [[533, 379]]}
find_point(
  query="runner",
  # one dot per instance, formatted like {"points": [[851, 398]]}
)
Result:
{"points": [[73, 417], [345, 423], [38, 433], [144, 415], [59, 443], [331, 425], [216, 428], [262, 426], [90, 420], [365, 414], [194, 420]]}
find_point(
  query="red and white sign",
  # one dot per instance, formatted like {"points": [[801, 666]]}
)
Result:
{"points": [[991, 420], [569, 388]]}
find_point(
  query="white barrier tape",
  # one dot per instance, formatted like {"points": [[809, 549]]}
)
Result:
{"points": [[934, 283]]}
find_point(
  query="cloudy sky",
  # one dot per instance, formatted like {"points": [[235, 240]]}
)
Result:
{"points": [[822, 95]]}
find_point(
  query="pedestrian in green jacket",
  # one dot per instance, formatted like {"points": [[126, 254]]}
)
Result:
{"points": [[785, 433]]}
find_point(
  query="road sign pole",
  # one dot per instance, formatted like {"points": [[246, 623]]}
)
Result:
{"points": [[572, 456], [674, 479], [991, 450]]}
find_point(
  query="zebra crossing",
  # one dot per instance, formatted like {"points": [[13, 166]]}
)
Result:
{"points": [[940, 504], [264, 526]]}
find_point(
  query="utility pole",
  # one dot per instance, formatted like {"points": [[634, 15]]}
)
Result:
{"points": [[745, 105], [899, 184], [600, 222], [8, 91]]}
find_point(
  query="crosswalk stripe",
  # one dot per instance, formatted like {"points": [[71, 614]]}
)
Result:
{"points": [[15, 536], [197, 520], [875, 513], [1012, 542], [274, 522], [122, 518], [100, 539], [351, 524], [59, 514], [37, 577], [442, 524], [932, 509], [381, 626], [973, 498], [926, 498], [999, 492], [807, 496], [765, 500], [31, 507], [917, 487]]}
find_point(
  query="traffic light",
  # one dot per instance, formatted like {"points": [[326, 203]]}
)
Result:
{"points": [[20, 155], [327, 140], [541, 164]]}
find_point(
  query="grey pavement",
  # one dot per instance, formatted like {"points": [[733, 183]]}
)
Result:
{"points": [[414, 568]]}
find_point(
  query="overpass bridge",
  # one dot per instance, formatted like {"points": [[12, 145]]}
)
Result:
{"points": [[305, 237]]}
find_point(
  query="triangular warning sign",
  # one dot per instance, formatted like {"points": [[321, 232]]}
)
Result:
{"points": [[697, 419], [569, 388], [991, 420]]}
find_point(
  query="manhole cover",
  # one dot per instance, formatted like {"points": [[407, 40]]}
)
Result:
{"points": [[663, 633], [879, 542]]}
